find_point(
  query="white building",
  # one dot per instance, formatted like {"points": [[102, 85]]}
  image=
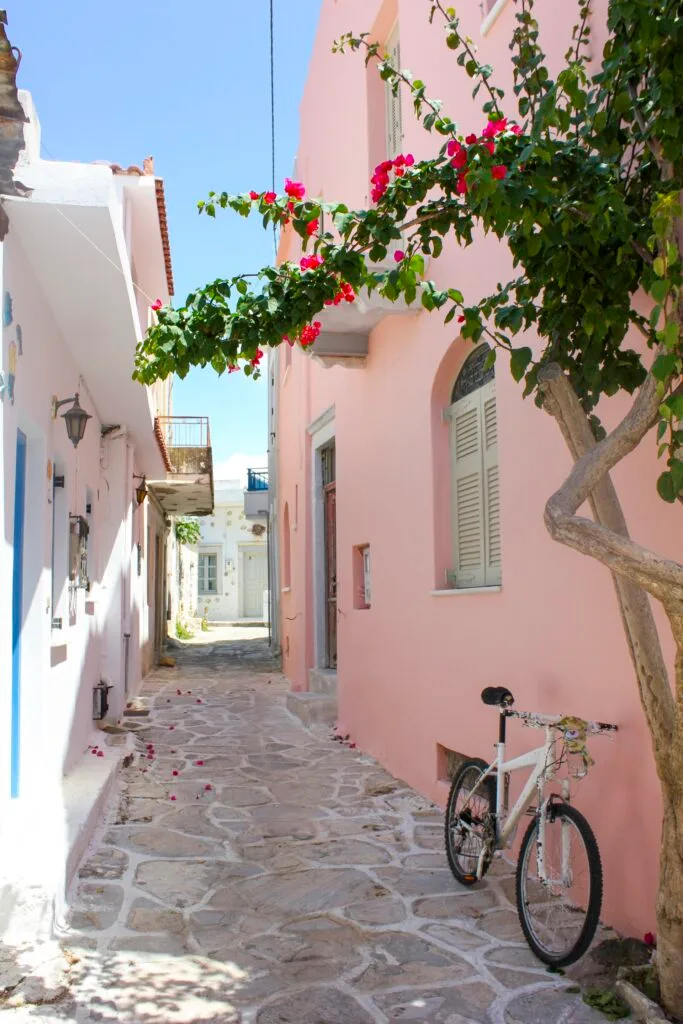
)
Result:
{"points": [[82, 546], [229, 567]]}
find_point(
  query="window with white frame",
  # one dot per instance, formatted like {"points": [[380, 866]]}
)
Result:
{"points": [[475, 492], [393, 99], [207, 573]]}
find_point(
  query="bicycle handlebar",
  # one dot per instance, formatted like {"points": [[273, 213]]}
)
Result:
{"points": [[554, 721]]}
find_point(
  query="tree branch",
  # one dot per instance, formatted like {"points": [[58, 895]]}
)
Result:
{"points": [[561, 401]]}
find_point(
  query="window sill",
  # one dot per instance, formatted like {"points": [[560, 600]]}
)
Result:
{"points": [[492, 17], [463, 591]]}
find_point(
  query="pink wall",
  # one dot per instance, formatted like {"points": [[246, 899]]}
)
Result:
{"points": [[412, 666]]}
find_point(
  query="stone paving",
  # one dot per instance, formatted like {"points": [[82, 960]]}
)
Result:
{"points": [[253, 871]]}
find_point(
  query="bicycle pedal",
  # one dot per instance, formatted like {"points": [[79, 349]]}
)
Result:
{"points": [[470, 878]]}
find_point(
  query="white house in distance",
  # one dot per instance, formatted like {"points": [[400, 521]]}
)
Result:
{"points": [[231, 575], [85, 503]]}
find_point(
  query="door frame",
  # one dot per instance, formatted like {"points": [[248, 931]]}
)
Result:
{"points": [[322, 432], [18, 532]]}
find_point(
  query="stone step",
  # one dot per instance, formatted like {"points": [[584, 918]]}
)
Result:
{"points": [[323, 680], [312, 708]]}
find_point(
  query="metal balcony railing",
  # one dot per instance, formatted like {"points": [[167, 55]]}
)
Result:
{"points": [[257, 479], [185, 443]]}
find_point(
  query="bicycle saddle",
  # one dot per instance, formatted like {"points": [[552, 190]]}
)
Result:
{"points": [[497, 695]]}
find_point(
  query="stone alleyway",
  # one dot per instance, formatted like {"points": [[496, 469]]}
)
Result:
{"points": [[253, 871]]}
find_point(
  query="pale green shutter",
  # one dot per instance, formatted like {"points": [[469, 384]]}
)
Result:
{"points": [[475, 489], [467, 492], [491, 484], [393, 102]]}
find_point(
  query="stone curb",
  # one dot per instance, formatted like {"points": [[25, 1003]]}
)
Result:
{"points": [[643, 1008]]}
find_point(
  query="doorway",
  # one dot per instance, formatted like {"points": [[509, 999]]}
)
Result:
{"points": [[328, 465], [17, 609], [254, 582]]}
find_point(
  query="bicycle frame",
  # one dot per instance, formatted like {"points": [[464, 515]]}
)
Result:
{"points": [[541, 761]]}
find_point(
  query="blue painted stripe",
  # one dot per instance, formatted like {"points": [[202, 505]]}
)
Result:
{"points": [[17, 608]]}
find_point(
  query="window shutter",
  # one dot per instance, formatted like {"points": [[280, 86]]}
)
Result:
{"points": [[491, 485], [475, 489], [393, 102], [467, 492]]}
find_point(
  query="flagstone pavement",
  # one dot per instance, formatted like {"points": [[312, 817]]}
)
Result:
{"points": [[253, 871]]}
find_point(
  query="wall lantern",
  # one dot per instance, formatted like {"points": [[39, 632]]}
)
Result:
{"points": [[100, 700], [141, 489], [75, 418]]}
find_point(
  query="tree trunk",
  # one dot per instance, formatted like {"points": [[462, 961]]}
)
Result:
{"points": [[670, 904], [633, 569]]}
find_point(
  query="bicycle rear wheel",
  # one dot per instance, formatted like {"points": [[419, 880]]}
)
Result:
{"points": [[469, 816], [559, 908]]}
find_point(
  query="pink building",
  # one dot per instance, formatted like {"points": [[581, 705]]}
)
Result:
{"points": [[414, 564]]}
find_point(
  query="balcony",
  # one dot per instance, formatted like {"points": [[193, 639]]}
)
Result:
{"points": [[345, 335], [256, 494], [185, 445]]}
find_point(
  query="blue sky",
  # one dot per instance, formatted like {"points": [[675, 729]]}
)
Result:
{"points": [[188, 84]]}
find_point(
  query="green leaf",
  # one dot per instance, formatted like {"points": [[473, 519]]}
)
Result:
{"points": [[665, 487], [664, 365], [519, 360]]}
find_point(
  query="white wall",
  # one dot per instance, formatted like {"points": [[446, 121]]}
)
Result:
{"points": [[229, 535]]}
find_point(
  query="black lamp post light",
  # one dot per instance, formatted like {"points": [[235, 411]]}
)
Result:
{"points": [[75, 418]]}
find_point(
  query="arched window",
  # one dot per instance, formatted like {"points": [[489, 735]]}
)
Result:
{"points": [[475, 493]]}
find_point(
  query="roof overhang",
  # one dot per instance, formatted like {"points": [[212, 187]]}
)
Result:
{"points": [[72, 231]]}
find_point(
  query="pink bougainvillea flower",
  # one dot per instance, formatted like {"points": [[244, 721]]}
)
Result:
{"points": [[199, 764], [495, 128], [270, 197], [410, 160], [233, 368], [312, 226], [649, 939], [100, 753], [461, 185], [399, 160], [470, 139], [399, 255], [171, 726], [459, 160], [295, 189], [179, 693], [173, 797], [352, 746], [254, 195], [499, 171], [208, 787], [157, 304], [453, 147], [385, 166], [93, 750], [310, 332], [175, 772], [173, 751], [491, 146], [461, 319], [516, 129], [254, 362], [400, 171]]}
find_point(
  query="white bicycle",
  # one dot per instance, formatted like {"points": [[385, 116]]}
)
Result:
{"points": [[559, 875]]}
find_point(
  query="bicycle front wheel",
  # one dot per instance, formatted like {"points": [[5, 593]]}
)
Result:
{"points": [[559, 904]]}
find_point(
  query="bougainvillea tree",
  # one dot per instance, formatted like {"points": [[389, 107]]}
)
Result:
{"points": [[583, 186]]}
